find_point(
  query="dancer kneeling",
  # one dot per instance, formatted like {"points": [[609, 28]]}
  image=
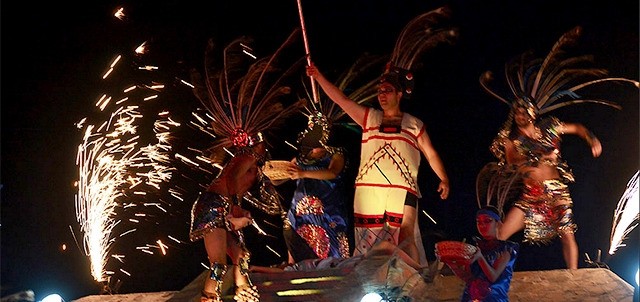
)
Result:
{"points": [[488, 271]]}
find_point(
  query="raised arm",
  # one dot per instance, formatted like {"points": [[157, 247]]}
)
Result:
{"points": [[353, 109], [435, 162], [581, 131]]}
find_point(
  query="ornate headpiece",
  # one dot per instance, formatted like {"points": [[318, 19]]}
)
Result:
{"points": [[244, 99], [528, 105], [419, 35], [317, 132], [546, 83], [401, 79]]}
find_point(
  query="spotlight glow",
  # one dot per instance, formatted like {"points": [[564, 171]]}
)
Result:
{"points": [[371, 297], [53, 298]]}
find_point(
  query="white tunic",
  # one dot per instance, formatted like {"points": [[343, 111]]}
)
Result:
{"points": [[388, 170]]}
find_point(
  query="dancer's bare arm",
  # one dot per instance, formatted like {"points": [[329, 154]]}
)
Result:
{"points": [[353, 109]]}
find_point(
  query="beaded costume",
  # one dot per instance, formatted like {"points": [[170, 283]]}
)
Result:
{"points": [[209, 212], [547, 206]]}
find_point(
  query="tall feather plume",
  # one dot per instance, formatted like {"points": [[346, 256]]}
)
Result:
{"points": [[553, 82], [595, 101], [495, 185], [269, 95], [420, 34], [365, 66], [245, 94], [520, 73], [485, 78], [234, 60], [567, 39]]}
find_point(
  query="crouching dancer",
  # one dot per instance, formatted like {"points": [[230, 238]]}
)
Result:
{"points": [[241, 108]]}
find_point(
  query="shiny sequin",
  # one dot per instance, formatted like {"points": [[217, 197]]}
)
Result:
{"points": [[317, 239], [547, 210], [207, 213], [309, 205], [343, 243]]}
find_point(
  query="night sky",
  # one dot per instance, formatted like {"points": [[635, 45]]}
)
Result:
{"points": [[54, 54]]}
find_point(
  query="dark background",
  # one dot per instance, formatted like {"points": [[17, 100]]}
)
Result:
{"points": [[53, 55]]}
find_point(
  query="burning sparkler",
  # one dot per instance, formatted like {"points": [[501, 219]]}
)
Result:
{"points": [[121, 167], [625, 217], [117, 166]]}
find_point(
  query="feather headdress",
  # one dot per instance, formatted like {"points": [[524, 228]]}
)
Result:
{"points": [[244, 99], [418, 35], [422, 33], [355, 83], [546, 84]]}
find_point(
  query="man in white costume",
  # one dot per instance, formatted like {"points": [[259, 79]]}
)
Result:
{"points": [[387, 193]]}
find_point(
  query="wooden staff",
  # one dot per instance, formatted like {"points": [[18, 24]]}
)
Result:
{"points": [[307, 53]]}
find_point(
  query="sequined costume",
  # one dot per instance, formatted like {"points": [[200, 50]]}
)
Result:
{"points": [[547, 209], [317, 211], [207, 213], [388, 172], [479, 288], [535, 149], [539, 85], [547, 206]]}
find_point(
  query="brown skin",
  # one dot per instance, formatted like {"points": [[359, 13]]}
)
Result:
{"points": [[335, 166], [488, 229]]}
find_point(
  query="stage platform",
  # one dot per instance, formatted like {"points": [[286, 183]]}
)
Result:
{"points": [[402, 283]]}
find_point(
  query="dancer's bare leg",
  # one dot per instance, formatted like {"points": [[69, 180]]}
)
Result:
{"points": [[406, 239], [513, 223], [570, 250], [215, 243]]}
